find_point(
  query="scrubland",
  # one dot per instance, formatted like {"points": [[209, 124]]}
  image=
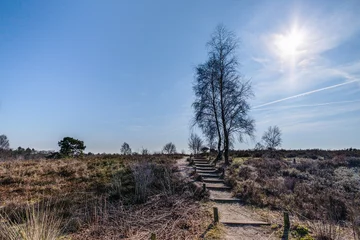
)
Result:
{"points": [[318, 188], [98, 197]]}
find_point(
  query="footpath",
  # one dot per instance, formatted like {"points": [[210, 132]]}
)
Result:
{"points": [[239, 221]]}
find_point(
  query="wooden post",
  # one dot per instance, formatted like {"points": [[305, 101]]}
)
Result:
{"points": [[286, 221], [153, 236], [216, 215], [286, 226], [204, 187]]}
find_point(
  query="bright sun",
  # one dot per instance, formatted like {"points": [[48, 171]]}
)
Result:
{"points": [[291, 43]]}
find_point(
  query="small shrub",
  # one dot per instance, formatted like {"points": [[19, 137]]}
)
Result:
{"points": [[354, 162], [143, 176], [301, 230], [307, 237], [275, 226], [326, 231], [245, 172], [290, 183], [304, 166]]}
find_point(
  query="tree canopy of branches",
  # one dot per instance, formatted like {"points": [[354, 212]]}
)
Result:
{"points": [[169, 148], [259, 146], [195, 143], [4, 142], [71, 147], [206, 105], [221, 103], [272, 137], [125, 149], [144, 151]]}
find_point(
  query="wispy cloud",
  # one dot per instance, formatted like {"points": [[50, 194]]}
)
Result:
{"points": [[306, 93], [317, 89], [312, 70], [307, 105], [297, 119]]}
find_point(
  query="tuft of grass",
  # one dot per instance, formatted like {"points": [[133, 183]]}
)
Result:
{"points": [[37, 224], [326, 231], [216, 232]]}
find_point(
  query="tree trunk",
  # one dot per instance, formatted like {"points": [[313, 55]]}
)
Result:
{"points": [[219, 156], [226, 150], [223, 119]]}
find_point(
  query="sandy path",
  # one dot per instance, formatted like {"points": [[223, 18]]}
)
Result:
{"points": [[232, 212]]}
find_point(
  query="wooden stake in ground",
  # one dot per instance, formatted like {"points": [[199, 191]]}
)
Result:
{"points": [[286, 226], [286, 221], [216, 215]]}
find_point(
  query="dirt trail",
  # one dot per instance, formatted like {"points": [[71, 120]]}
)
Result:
{"points": [[233, 212]]}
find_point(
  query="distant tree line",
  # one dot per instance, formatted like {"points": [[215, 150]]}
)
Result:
{"points": [[69, 147]]}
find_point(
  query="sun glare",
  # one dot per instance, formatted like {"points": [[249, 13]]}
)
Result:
{"points": [[290, 44]]}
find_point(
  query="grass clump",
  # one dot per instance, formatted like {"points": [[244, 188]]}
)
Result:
{"points": [[216, 231], [36, 224]]}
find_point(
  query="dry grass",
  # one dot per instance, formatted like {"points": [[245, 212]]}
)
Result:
{"points": [[169, 217], [96, 196], [323, 230], [29, 181], [216, 232], [38, 223]]}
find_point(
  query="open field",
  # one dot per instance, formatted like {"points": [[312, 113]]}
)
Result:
{"points": [[98, 196]]}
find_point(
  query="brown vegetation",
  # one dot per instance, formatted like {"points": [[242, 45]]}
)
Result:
{"points": [[103, 197], [325, 189]]}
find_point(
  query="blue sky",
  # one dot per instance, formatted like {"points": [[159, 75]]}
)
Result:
{"points": [[113, 71]]}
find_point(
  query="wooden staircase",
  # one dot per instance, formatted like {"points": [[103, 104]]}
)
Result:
{"points": [[213, 181]]}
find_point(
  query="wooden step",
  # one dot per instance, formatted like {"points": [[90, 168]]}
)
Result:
{"points": [[218, 187], [225, 200], [206, 171], [213, 180], [209, 175], [203, 165], [202, 162], [206, 168], [244, 223]]}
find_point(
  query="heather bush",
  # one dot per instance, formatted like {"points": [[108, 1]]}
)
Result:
{"points": [[318, 189]]}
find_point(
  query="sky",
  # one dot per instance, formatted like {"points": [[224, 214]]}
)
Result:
{"points": [[108, 72]]}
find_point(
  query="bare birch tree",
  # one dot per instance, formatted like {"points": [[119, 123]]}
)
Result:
{"points": [[195, 143], [272, 137], [4, 142], [221, 93]]}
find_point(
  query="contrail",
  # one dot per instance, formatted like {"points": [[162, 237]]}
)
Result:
{"points": [[306, 93], [308, 105]]}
